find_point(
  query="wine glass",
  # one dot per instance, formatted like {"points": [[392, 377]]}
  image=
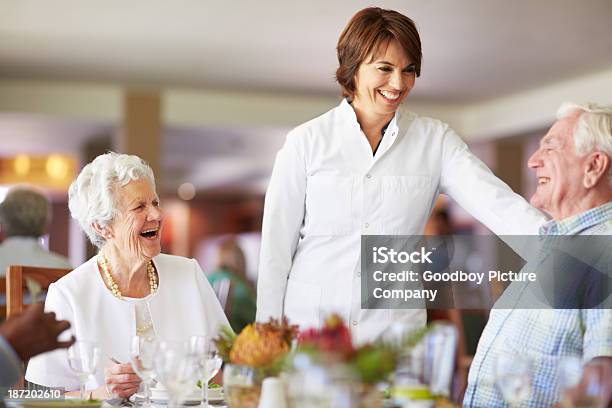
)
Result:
{"points": [[513, 376], [142, 354], [175, 369], [83, 358], [207, 361]]}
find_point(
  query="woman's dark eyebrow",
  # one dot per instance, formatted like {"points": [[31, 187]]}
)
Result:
{"points": [[389, 63]]}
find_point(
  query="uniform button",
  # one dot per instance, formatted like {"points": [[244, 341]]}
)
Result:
{"points": [[366, 225], [359, 274], [368, 175], [354, 322]]}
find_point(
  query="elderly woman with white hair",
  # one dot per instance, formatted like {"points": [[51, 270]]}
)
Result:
{"points": [[129, 288]]}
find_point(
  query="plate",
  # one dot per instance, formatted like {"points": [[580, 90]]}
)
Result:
{"points": [[161, 395], [72, 403]]}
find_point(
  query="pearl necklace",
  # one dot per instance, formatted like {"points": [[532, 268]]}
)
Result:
{"points": [[146, 317], [112, 285]]}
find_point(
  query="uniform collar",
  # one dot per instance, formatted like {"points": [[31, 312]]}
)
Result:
{"points": [[577, 223], [348, 113]]}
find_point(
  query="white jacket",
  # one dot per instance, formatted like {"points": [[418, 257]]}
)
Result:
{"points": [[184, 305], [327, 189]]}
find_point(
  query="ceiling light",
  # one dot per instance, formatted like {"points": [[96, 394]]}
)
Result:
{"points": [[56, 167], [186, 191], [22, 164]]}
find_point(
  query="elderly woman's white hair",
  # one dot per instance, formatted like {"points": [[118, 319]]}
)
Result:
{"points": [[593, 131], [91, 196]]}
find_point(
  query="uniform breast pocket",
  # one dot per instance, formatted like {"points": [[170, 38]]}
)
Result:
{"points": [[406, 201], [328, 205]]}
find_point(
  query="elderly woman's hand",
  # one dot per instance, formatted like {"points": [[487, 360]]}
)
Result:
{"points": [[121, 380]]}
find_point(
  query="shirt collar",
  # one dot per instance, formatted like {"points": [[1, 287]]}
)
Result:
{"points": [[349, 114], [578, 223]]}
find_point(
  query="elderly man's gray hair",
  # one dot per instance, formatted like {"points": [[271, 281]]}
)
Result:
{"points": [[593, 131], [91, 196], [24, 213]]}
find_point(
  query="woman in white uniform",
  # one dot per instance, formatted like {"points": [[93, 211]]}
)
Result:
{"points": [[367, 167], [129, 288]]}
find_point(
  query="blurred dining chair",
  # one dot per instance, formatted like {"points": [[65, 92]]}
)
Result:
{"points": [[17, 280]]}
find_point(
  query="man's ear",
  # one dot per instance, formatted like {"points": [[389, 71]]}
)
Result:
{"points": [[101, 230], [596, 168]]}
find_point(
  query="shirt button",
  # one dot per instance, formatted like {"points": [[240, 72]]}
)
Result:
{"points": [[368, 175], [354, 322], [366, 224], [358, 274]]}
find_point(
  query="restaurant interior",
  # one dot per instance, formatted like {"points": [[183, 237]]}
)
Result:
{"points": [[206, 92]]}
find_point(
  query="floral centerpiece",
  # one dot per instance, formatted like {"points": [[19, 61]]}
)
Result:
{"points": [[372, 362], [366, 365], [257, 352]]}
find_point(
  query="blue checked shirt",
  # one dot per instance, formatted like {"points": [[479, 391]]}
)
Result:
{"points": [[543, 336]]}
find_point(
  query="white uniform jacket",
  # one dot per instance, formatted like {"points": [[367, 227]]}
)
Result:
{"points": [[183, 305], [327, 189]]}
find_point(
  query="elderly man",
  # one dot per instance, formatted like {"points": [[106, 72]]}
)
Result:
{"points": [[24, 215], [574, 172]]}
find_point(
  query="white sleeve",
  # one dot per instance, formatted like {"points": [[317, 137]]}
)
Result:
{"points": [[282, 220], [51, 369], [215, 317], [475, 188]]}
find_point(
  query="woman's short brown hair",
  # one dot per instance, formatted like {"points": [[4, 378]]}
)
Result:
{"points": [[368, 31]]}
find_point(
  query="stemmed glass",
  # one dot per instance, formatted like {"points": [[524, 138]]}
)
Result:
{"points": [[207, 361], [513, 376], [175, 370], [142, 354], [83, 358]]}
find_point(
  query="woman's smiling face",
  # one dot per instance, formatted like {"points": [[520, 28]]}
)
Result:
{"points": [[384, 81], [136, 228]]}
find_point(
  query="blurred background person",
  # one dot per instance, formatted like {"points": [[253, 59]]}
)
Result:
{"points": [[24, 216], [241, 296], [129, 287], [439, 222]]}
